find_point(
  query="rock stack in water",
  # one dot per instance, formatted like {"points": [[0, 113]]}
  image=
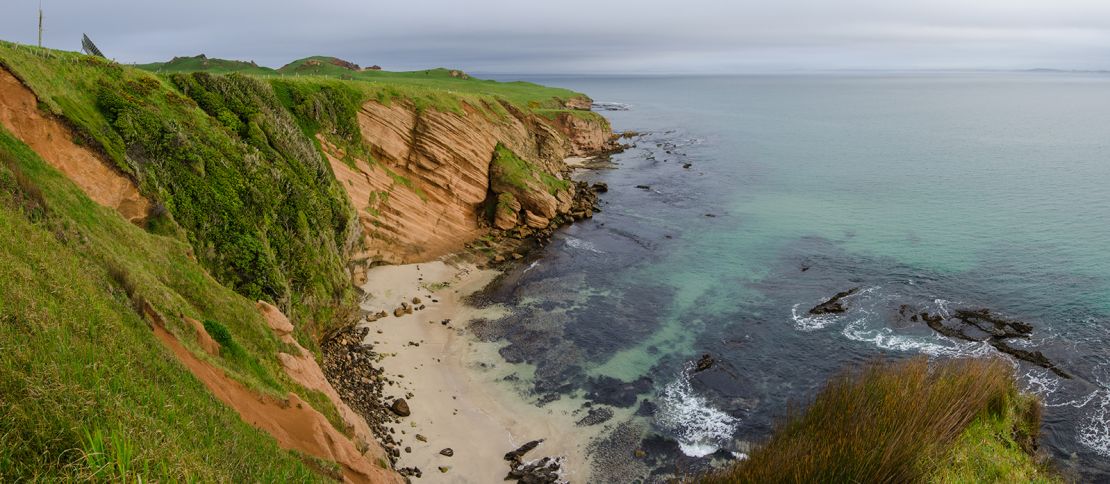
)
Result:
{"points": [[542, 471]]}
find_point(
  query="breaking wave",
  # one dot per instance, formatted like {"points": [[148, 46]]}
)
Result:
{"points": [[610, 106], [699, 428], [806, 322], [1095, 432], [582, 245], [803, 321]]}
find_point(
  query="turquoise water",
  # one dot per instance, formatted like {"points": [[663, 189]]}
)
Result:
{"points": [[933, 191]]}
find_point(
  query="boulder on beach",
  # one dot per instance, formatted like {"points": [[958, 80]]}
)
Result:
{"points": [[400, 407]]}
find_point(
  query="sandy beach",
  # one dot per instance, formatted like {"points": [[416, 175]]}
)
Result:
{"points": [[459, 398]]}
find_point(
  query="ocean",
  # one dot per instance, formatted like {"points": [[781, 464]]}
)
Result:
{"points": [[744, 201]]}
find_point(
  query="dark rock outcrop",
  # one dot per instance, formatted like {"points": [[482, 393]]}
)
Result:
{"points": [[980, 325], [704, 363], [835, 304], [615, 392], [545, 470], [595, 416], [518, 454]]}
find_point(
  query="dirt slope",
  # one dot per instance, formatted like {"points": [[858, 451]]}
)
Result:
{"points": [[292, 422], [53, 141]]}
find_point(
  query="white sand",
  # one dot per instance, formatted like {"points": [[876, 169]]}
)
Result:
{"points": [[459, 400]]}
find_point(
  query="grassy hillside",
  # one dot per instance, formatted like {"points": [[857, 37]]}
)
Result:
{"points": [[202, 63], [953, 421], [87, 390], [237, 176], [430, 83]]}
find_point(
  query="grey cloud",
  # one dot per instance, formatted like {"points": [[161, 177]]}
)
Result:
{"points": [[590, 35]]}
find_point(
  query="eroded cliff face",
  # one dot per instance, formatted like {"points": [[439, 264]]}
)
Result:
{"points": [[426, 192], [54, 142]]}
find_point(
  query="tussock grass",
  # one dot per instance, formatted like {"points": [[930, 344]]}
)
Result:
{"points": [[891, 422], [86, 390]]}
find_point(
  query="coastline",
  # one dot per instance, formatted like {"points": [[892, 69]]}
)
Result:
{"points": [[456, 385]]}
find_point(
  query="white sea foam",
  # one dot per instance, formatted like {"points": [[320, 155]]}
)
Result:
{"points": [[610, 106], [699, 428], [886, 339], [1095, 432], [1040, 382], [942, 307], [803, 321], [531, 266], [806, 322], [582, 245]]}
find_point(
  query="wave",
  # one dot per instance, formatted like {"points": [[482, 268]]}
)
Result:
{"points": [[580, 244], [1095, 432], [886, 339], [531, 266], [610, 106], [806, 322], [699, 428]]}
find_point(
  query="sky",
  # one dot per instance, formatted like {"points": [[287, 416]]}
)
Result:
{"points": [[589, 36]]}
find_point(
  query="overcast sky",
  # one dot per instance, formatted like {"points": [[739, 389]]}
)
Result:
{"points": [[589, 36]]}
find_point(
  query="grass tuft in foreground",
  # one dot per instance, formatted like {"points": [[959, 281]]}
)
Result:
{"points": [[953, 421]]}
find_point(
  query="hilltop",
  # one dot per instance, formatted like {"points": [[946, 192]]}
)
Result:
{"points": [[201, 62]]}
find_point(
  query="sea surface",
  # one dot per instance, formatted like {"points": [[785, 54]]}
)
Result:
{"points": [[761, 196]]}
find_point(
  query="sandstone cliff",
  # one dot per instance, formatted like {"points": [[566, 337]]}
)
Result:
{"points": [[435, 176]]}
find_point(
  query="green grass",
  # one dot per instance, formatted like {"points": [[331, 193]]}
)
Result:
{"points": [[995, 448], [88, 392], [520, 173], [239, 173], [202, 63], [588, 116], [903, 422], [430, 88]]}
